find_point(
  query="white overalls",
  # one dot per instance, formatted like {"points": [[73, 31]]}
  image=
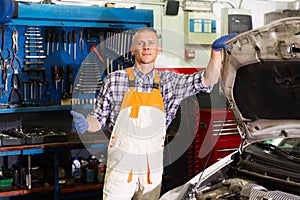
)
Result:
{"points": [[135, 152]]}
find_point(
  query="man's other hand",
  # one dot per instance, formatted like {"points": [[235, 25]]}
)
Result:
{"points": [[220, 43], [80, 122]]}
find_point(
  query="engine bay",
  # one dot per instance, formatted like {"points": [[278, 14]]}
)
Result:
{"points": [[256, 174]]}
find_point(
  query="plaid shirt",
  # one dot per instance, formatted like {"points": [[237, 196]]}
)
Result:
{"points": [[174, 87]]}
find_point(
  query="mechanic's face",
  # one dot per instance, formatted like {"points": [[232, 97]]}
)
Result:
{"points": [[145, 48]]}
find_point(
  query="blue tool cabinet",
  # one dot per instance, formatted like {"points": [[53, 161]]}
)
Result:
{"points": [[53, 59], [38, 51]]}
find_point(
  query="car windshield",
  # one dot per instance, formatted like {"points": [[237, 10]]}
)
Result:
{"points": [[289, 146]]}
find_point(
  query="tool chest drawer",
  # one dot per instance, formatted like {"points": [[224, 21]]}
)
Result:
{"points": [[217, 136], [55, 56]]}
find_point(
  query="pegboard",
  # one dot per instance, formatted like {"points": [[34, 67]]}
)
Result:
{"points": [[46, 50]]}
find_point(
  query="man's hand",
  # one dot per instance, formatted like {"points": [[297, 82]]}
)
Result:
{"points": [[220, 43], [215, 63], [80, 122]]}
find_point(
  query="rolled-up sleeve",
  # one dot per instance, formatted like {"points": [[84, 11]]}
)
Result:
{"points": [[186, 85], [202, 86]]}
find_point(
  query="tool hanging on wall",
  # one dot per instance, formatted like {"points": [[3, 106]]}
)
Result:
{"points": [[81, 42], [112, 52], [57, 40], [5, 65], [53, 39], [74, 43], [69, 42], [62, 78], [70, 79], [15, 47], [15, 96], [34, 55], [64, 39], [48, 37], [56, 76], [34, 52]]}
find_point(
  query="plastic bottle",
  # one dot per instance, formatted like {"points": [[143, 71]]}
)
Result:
{"points": [[76, 168], [93, 166], [101, 169], [16, 177], [93, 163]]}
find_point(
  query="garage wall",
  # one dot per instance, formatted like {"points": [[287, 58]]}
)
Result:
{"points": [[172, 28]]}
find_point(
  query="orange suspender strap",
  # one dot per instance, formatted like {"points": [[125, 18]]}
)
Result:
{"points": [[129, 71], [156, 84]]}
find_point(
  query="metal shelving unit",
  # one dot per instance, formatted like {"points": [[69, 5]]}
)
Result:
{"points": [[104, 23], [93, 26], [55, 148]]}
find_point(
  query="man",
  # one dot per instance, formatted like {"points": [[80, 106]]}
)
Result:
{"points": [[139, 103]]}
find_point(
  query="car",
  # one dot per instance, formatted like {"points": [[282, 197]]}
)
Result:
{"points": [[261, 83]]}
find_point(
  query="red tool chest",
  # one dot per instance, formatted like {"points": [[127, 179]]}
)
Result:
{"points": [[217, 136]]}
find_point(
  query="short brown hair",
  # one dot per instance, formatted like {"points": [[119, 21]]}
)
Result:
{"points": [[146, 29]]}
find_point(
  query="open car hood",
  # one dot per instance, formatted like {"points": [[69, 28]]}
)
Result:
{"points": [[261, 80]]}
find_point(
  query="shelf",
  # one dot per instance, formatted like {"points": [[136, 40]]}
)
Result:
{"points": [[86, 16], [35, 109], [39, 189], [81, 187], [15, 191], [73, 142], [4, 152], [44, 108]]}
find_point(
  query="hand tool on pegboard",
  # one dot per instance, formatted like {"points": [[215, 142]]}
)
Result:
{"points": [[34, 81], [65, 95], [40, 90], [25, 91], [62, 78], [5, 65], [125, 46], [34, 52], [81, 42], [53, 39], [48, 38], [15, 43], [74, 38], [57, 40], [129, 56], [119, 44], [70, 79], [64, 40], [69, 42], [15, 96], [89, 37], [56, 76], [36, 70], [89, 77]]}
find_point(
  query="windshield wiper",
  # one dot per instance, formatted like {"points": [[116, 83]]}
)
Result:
{"points": [[278, 151]]}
